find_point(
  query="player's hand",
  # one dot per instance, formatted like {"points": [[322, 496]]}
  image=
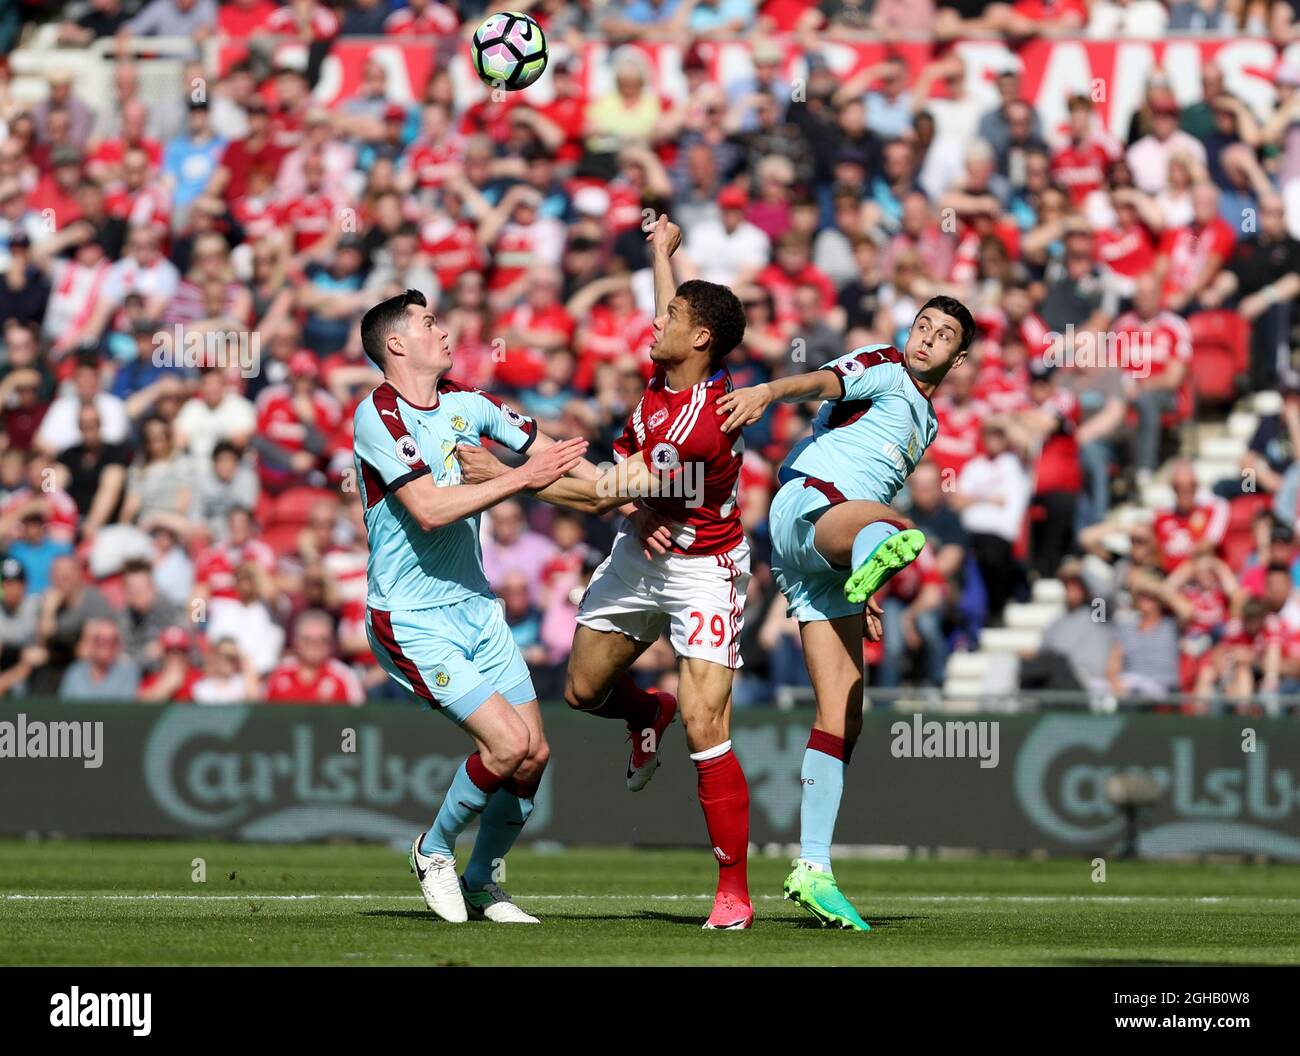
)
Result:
{"points": [[743, 406], [872, 618], [553, 463], [665, 236], [654, 532], [477, 464]]}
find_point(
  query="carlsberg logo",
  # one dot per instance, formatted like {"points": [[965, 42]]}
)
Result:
{"points": [[76, 1009]]}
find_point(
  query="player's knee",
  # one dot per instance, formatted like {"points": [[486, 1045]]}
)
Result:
{"points": [[508, 751], [704, 731], [531, 769], [578, 694]]}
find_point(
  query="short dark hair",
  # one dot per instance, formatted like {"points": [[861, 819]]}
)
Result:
{"points": [[718, 309], [953, 307], [382, 320]]}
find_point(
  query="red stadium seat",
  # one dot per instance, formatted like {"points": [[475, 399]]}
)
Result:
{"points": [[286, 516], [1220, 354], [1222, 327], [1236, 547], [1243, 510], [1214, 371]]}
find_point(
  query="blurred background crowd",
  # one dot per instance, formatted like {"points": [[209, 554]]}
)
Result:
{"points": [[179, 530]]}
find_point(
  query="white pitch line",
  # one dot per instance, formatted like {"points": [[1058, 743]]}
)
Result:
{"points": [[1200, 900]]}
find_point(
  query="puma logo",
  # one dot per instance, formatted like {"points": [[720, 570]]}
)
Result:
{"points": [[393, 413]]}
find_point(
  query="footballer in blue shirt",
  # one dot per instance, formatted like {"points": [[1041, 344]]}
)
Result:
{"points": [[432, 619], [836, 541]]}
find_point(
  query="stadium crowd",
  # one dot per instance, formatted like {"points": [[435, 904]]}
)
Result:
{"points": [[177, 530]]}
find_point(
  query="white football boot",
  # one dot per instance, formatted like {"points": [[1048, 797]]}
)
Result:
{"points": [[492, 903], [439, 884]]}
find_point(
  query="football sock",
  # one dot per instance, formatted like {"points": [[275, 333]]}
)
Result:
{"points": [[724, 795], [824, 762], [470, 789], [498, 828], [627, 701], [869, 537]]}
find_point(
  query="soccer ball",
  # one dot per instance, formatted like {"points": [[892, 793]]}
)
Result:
{"points": [[509, 50]]}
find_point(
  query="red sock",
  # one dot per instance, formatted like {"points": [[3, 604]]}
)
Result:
{"points": [[724, 795], [627, 701]]}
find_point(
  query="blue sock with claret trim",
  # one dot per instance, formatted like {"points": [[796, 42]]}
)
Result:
{"points": [[824, 763], [868, 538]]}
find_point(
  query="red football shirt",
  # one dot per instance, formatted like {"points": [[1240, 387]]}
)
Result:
{"points": [[681, 435]]}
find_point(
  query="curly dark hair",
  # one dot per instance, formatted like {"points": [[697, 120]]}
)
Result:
{"points": [[717, 309]]}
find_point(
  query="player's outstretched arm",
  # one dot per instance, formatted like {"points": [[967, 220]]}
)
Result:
{"points": [[478, 464], [664, 238], [614, 490], [434, 507], [746, 406]]}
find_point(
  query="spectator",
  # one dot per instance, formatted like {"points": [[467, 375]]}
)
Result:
{"points": [[226, 484], [1194, 524], [509, 545], [1149, 157], [1075, 652], [992, 495], [102, 672], [228, 676], [19, 612], [174, 18], [1248, 659], [216, 413], [1144, 656], [174, 679], [162, 477], [59, 429], [311, 674], [730, 251], [247, 619], [145, 615]]}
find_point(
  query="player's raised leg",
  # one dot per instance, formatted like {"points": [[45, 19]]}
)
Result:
{"points": [[597, 683], [503, 741], [705, 691], [869, 538], [501, 824], [833, 652]]}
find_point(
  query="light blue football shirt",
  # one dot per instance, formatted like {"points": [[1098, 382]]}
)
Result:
{"points": [[396, 441], [868, 441]]}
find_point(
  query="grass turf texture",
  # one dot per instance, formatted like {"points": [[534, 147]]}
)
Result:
{"points": [[612, 907]]}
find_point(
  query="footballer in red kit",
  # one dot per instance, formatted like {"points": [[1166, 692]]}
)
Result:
{"points": [[681, 563]]}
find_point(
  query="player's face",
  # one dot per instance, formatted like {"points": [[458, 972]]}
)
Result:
{"points": [[675, 334], [934, 344], [425, 343]]}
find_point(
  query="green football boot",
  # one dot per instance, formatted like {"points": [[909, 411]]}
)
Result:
{"points": [[818, 893], [894, 553]]}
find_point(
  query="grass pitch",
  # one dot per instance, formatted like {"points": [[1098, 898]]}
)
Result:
{"points": [[129, 903]]}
